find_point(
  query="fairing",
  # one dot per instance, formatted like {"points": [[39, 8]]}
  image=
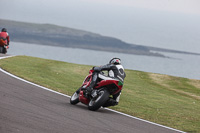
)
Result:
{"points": [[109, 83]]}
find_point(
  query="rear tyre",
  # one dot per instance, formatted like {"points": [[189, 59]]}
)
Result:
{"points": [[74, 98], [99, 101]]}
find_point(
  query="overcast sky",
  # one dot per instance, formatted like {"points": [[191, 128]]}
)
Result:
{"points": [[173, 24]]}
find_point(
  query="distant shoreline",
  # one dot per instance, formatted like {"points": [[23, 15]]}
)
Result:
{"points": [[53, 35]]}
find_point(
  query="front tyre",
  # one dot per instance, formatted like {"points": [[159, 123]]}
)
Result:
{"points": [[74, 98], [97, 102]]}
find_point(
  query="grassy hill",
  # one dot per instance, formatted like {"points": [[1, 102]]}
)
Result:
{"points": [[167, 100], [48, 34]]}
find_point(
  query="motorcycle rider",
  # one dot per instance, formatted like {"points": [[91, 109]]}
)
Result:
{"points": [[116, 71], [4, 38]]}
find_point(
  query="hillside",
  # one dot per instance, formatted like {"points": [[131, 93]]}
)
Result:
{"points": [[48, 34]]}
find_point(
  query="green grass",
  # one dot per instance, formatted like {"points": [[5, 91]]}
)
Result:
{"points": [[163, 99]]}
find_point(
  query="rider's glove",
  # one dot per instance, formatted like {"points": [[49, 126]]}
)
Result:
{"points": [[97, 69]]}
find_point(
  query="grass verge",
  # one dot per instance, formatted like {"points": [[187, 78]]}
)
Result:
{"points": [[163, 99]]}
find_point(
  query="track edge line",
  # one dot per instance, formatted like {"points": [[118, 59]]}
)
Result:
{"points": [[42, 87]]}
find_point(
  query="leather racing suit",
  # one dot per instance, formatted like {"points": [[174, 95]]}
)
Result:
{"points": [[114, 71], [4, 37], [4, 40]]}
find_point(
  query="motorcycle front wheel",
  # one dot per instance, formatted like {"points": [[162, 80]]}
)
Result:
{"points": [[74, 98], [97, 102]]}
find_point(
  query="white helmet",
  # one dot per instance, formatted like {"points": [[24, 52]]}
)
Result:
{"points": [[115, 61]]}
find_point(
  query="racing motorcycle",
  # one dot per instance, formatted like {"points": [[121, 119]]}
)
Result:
{"points": [[105, 87]]}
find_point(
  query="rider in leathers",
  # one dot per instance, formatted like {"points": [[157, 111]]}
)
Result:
{"points": [[115, 70], [4, 39]]}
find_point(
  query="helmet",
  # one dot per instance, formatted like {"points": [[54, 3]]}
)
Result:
{"points": [[115, 61], [4, 30]]}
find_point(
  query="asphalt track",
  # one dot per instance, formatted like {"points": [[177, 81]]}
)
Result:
{"points": [[26, 108]]}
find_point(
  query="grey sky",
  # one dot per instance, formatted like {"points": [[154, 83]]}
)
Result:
{"points": [[170, 24]]}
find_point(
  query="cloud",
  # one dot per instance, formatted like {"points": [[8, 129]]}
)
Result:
{"points": [[179, 6]]}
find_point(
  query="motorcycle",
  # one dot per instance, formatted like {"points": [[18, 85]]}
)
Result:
{"points": [[105, 87], [3, 46]]}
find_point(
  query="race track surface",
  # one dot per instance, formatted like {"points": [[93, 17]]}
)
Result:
{"points": [[25, 108]]}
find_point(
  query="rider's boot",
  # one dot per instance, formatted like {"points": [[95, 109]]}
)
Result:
{"points": [[92, 84], [110, 102]]}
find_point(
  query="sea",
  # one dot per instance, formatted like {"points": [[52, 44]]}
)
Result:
{"points": [[180, 65]]}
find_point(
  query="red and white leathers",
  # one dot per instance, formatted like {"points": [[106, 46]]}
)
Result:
{"points": [[4, 38]]}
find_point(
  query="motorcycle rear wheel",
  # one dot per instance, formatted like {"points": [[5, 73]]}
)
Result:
{"points": [[74, 98], [98, 101]]}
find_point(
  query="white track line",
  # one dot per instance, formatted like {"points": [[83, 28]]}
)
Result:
{"points": [[70, 96], [32, 83], [7, 56]]}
